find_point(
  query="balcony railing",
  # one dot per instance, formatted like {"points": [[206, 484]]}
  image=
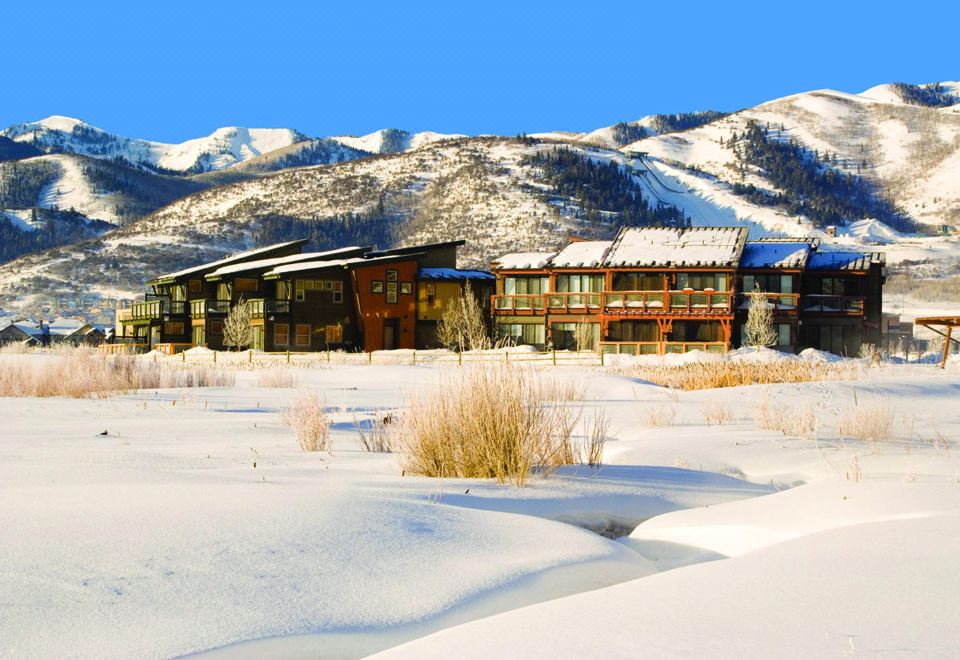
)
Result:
{"points": [[575, 302], [778, 302], [200, 309], [261, 307], [526, 303], [154, 309], [617, 302], [827, 304], [660, 347]]}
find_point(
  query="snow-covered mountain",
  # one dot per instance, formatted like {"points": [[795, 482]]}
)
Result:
{"points": [[221, 149], [869, 163], [393, 140]]}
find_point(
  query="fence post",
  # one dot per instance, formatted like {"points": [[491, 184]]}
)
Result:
{"points": [[414, 356], [601, 358], [460, 359], [183, 354], [554, 357], [328, 356], [250, 357], [506, 355], [370, 357], [288, 356], [214, 357], [154, 358]]}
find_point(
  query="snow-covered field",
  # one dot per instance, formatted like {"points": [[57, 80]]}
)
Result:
{"points": [[195, 524]]}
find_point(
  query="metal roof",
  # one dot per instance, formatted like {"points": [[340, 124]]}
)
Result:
{"points": [[845, 260], [213, 265], [453, 274], [775, 254]]}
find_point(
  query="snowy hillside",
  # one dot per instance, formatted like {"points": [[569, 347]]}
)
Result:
{"points": [[221, 149], [393, 140]]}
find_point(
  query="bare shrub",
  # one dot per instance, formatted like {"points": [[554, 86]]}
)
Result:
{"points": [[868, 420], [658, 414], [378, 436], [489, 422], [717, 413], [462, 326], [759, 330], [798, 422], [598, 432], [309, 421], [583, 336], [870, 354], [237, 332], [276, 378], [726, 373]]}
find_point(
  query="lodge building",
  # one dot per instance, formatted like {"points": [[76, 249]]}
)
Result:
{"points": [[353, 298], [665, 290]]}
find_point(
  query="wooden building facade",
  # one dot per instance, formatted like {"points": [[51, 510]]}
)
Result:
{"points": [[353, 298], [663, 290]]}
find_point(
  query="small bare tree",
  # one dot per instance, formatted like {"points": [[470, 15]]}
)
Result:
{"points": [[462, 326], [237, 332], [759, 330], [583, 335]]}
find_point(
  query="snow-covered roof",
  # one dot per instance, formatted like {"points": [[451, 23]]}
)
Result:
{"points": [[279, 261], [687, 247], [844, 260], [581, 254], [769, 254], [523, 260], [312, 265], [241, 256], [453, 274]]}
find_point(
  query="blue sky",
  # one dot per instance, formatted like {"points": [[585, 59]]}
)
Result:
{"points": [[174, 70]]}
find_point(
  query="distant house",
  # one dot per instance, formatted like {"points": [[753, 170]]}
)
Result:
{"points": [[352, 298], [11, 333], [75, 331], [667, 290]]}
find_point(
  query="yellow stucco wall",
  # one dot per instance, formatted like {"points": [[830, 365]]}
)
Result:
{"points": [[446, 291]]}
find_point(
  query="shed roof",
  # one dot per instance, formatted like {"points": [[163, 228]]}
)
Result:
{"points": [[241, 256], [581, 254], [523, 260], [845, 260], [453, 274], [775, 254], [289, 259]]}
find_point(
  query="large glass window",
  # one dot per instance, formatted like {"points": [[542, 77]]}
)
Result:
{"points": [[634, 331], [303, 334], [693, 331], [224, 291], [768, 283], [638, 281], [533, 334], [281, 334], [525, 285], [579, 283], [702, 281], [565, 336]]}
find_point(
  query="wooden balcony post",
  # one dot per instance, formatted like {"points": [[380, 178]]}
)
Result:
{"points": [[946, 347]]}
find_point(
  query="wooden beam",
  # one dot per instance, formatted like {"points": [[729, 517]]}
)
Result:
{"points": [[946, 347]]}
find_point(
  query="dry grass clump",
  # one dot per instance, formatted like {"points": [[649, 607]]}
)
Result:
{"points": [[276, 378], [867, 420], [659, 414], [490, 422], [81, 373], [309, 421], [717, 413], [726, 373], [798, 422]]}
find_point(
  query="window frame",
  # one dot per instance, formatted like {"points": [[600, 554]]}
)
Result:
{"points": [[297, 333], [393, 293], [286, 334], [376, 287], [392, 275], [406, 288]]}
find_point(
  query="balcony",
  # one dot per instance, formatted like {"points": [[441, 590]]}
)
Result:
{"points": [[201, 309], [618, 303], [154, 310], [262, 307], [574, 303], [778, 302], [527, 303], [827, 304]]}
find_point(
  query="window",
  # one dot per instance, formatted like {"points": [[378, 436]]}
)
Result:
{"points": [[564, 336], [303, 334], [391, 276], [768, 283], [281, 334], [533, 334], [257, 340], [525, 285], [224, 291], [376, 286], [702, 281], [836, 286], [391, 292], [338, 292], [327, 285], [283, 290], [638, 281], [406, 288], [247, 284], [431, 290], [333, 334], [634, 331], [216, 328], [199, 335], [300, 290], [178, 293], [579, 283], [696, 331], [173, 328], [196, 287]]}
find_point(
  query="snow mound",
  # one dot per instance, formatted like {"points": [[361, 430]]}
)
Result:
{"points": [[814, 355]]}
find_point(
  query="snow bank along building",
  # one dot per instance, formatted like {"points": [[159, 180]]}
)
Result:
{"points": [[664, 290], [353, 298]]}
